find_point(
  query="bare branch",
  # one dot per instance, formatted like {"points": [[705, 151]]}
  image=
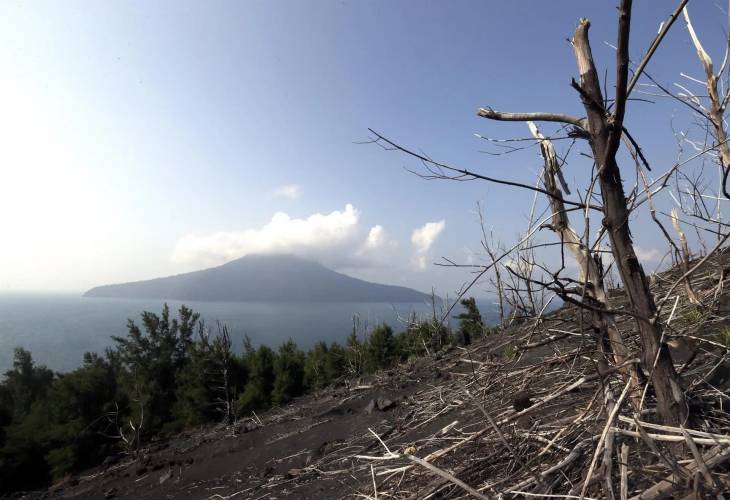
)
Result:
{"points": [[534, 117]]}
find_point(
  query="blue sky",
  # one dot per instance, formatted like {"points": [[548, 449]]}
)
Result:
{"points": [[149, 138]]}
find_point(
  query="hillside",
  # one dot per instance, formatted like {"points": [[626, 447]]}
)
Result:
{"points": [[261, 278], [520, 411]]}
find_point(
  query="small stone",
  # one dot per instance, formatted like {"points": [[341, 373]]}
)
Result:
{"points": [[248, 427], [293, 473], [167, 475], [385, 404], [111, 460], [522, 400], [370, 408], [110, 493]]}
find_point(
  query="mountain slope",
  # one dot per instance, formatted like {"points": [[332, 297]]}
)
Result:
{"points": [[261, 278]]}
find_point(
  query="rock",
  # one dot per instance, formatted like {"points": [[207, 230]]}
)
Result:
{"points": [[381, 404], [385, 404], [110, 493], [370, 408], [167, 475], [522, 400], [292, 473], [249, 426], [112, 460]]}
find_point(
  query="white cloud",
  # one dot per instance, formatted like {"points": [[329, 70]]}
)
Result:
{"points": [[648, 255], [425, 236], [376, 251], [317, 236], [376, 237], [420, 261], [423, 239], [290, 191]]}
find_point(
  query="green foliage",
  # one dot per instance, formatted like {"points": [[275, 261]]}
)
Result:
{"points": [[471, 325], [317, 373], [724, 338], [693, 315], [380, 348], [288, 373], [211, 380], [25, 383], [154, 358], [257, 395], [510, 352], [423, 337], [60, 432], [335, 364], [75, 404]]}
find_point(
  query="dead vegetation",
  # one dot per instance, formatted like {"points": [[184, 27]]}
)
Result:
{"points": [[554, 423], [616, 395], [526, 413]]}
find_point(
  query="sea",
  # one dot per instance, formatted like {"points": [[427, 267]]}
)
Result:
{"points": [[59, 328]]}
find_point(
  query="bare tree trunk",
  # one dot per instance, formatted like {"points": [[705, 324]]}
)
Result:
{"points": [[590, 272], [604, 132], [717, 106], [684, 248], [715, 114], [498, 283]]}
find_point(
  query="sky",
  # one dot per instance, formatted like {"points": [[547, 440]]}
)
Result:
{"points": [[143, 139]]}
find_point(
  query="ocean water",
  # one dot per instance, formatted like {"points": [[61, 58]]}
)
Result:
{"points": [[59, 328]]}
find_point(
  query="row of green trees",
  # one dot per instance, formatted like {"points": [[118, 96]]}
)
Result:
{"points": [[172, 373]]}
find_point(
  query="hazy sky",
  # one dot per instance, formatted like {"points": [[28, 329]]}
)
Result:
{"points": [[141, 139]]}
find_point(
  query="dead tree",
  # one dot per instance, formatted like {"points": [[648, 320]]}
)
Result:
{"points": [[603, 128], [498, 283], [591, 272], [222, 361], [715, 112]]}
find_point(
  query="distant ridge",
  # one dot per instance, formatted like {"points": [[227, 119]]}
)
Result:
{"points": [[272, 278]]}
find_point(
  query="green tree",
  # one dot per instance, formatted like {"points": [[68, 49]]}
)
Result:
{"points": [[336, 364], [25, 384], [471, 325], [260, 365], [154, 359], [316, 372], [78, 400], [380, 348], [289, 373], [24, 391]]}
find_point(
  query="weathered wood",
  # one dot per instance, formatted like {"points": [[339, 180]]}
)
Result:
{"points": [[686, 256], [712, 459], [590, 273], [717, 105], [604, 131]]}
